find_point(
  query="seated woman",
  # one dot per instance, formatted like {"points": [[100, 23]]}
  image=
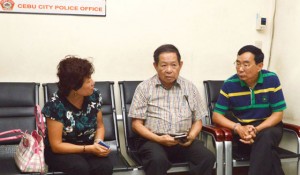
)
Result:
{"points": [[74, 122]]}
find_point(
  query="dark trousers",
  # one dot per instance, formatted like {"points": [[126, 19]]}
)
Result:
{"points": [[263, 156], [156, 158], [78, 164]]}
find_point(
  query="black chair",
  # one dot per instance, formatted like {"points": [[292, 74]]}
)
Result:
{"points": [[17, 103], [127, 89], [111, 137], [233, 157]]}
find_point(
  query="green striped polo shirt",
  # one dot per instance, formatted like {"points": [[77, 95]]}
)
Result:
{"points": [[248, 105]]}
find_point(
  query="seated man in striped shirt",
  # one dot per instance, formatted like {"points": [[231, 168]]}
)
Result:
{"points": [[164, 106], [255, 100]]}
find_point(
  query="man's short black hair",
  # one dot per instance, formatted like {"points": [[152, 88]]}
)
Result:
{"points": [[258, 54], [166, 48]]}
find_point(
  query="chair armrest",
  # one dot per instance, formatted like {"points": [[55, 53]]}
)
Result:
{"points": [[215, 131], [228, 135], [292, 127]]}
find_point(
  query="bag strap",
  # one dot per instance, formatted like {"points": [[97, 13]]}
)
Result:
{"points": [[16, 137], [39, 120]]}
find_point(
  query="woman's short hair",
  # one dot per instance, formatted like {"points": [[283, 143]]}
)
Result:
{"points": [[71, 72]]}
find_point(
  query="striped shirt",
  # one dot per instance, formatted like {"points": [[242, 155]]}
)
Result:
{"points": [[248, 105], [167, 111]]}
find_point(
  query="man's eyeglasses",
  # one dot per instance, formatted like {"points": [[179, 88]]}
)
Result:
{"points": [[238, 65]]}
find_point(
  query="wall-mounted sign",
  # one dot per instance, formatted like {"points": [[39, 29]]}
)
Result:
{"points": [[67, 7]]}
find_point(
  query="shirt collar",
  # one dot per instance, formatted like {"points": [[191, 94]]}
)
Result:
{"points": [[260, 79], [177, 83]]}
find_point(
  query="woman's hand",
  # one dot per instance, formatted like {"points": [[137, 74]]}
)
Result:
{"points": [[98, 150]]}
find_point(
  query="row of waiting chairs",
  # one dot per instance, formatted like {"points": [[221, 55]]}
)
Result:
{"points": [[17, 101]]}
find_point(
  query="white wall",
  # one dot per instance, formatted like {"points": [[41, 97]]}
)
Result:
{"points": [[285, 54], [284, 61], [208, 34]]}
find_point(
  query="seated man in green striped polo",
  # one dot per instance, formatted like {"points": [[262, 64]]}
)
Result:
{"points": [[254, 99]]}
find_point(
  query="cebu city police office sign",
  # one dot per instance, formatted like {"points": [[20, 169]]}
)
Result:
{"points": [[67, 7]]}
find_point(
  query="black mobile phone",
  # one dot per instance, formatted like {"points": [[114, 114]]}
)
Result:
{"points": [[181, 138], [103, 144]]}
